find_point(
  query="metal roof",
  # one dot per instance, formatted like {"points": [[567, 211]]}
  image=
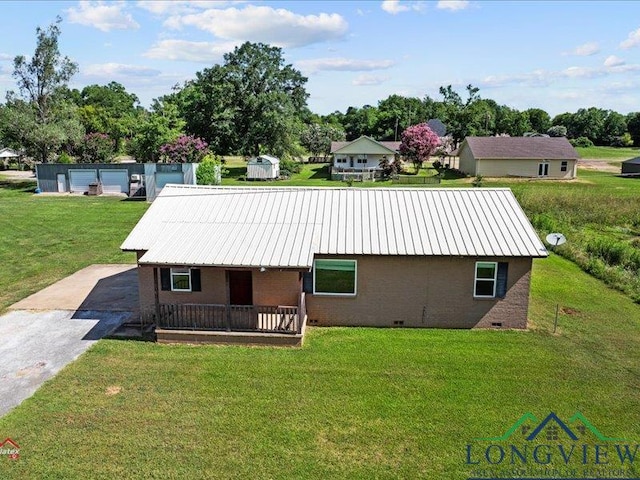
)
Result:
{"points": [[633, 161], [365, 145], [550, 148], [286, 227], [268, 158]]}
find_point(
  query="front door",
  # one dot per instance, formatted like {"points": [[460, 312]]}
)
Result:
{"points": [[240, 287], [351, 162], [543, 169]]}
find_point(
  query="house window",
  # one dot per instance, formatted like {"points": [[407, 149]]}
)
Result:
{"points": [[362, 160], [342, 160], [180, 279], [563, 166], [334, 277], [490, 280], [543, 169]]}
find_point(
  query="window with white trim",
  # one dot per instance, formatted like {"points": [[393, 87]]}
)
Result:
{"points": [[491, 280], [564, 166], [485, 279], [180, 279], [334, 277]]}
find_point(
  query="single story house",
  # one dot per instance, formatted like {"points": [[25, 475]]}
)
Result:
{"points": [[531, 157], [271, 260], [631, 166], [360, 158], [263, 167], [8, 155], [132, 179]]}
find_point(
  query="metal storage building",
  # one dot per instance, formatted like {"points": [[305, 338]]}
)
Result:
{"points": [[631, 166], [75, 178]]}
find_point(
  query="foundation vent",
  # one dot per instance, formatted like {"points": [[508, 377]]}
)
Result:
{"points": [[398, 323], [312, 321], [496, 324]]}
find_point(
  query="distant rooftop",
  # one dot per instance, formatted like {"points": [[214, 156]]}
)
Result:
{"points": [[522, 147]]}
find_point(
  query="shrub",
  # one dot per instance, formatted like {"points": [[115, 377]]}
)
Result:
{"points": [[184, 149], [581, 142], [65, 158], [209, 170], [557, 131], [289, 166]]}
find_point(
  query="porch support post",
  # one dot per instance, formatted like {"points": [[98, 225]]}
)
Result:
{"points": [[228, 302], [156, 294]]}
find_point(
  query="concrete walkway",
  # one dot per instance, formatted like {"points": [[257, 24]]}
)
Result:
{"points": [[44, 332]]}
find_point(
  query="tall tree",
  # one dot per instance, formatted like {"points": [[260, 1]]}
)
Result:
{"points": [[317, 138], [44, 120], [254, 101], [539, 119], [160, 127], [633, 126], [109, 109]]}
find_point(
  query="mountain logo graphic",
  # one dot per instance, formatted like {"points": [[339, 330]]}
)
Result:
{"points": [[530, 426], [10, 448]]}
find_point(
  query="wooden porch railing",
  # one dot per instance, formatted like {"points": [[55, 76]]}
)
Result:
{"points": [[237, 318]]}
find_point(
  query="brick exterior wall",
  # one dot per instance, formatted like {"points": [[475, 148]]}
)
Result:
{"points": [[417, 291], [424, 292]]}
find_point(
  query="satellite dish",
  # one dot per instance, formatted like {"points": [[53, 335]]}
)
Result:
{"points": [[556, 239]]}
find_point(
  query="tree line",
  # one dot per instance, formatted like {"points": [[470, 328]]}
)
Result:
{"points": [[251, 103]]}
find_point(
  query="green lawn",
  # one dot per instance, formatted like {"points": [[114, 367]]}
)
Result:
{"points": [[44, 238], [352, 403], [616, 154]]}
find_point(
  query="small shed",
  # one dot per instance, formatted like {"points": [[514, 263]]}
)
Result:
{"points": [[631, 166], [263, 167]]}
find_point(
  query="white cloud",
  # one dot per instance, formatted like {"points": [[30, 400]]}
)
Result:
{"points": [[108, 70], [368, 80], [183, 50], [613, 61], [265, 24], [102, 16], [394, 6], [585, 50], [536, 78], [453, 5], [633, 40], [5, 57], [343, 64], [173, 7], [582, 72]]}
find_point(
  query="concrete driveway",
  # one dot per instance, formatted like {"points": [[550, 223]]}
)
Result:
{"points": [[44, 332]]}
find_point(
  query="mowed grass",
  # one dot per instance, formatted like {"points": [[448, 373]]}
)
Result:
{"points": [[44, 238], [352, 403], [614, 154]]}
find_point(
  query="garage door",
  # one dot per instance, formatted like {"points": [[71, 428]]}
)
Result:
{"points": [[79, 180], [114, 181], [163, 178]]}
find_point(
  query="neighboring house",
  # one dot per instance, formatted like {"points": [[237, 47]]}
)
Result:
{"points": [[268, 260], [128, 178], [532, 157], [8, 155], [360, 157], [631, 166], [263, 167]]}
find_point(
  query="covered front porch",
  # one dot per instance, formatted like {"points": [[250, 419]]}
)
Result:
{"points": [[220, 305]]}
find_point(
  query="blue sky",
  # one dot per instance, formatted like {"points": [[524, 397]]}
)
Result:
{"points": [[559, 56]]}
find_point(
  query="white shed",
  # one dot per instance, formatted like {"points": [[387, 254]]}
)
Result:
{"points": [[263, 167]]}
